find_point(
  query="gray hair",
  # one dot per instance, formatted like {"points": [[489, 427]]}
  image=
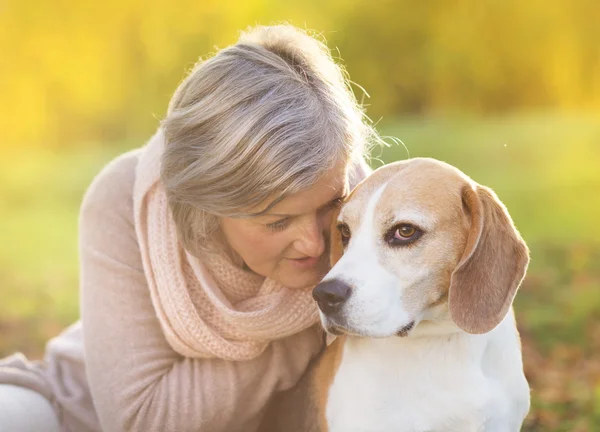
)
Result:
{"points": [[261, 119]]}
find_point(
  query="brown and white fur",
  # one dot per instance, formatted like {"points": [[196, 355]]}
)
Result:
{"points": [[427, 339]]}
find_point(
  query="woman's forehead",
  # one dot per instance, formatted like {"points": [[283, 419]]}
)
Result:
{"points": [[333, 185]]}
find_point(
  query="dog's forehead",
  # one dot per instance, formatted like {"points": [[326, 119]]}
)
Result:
{"points": [[421, 185], [424, 182], [363, 193]]}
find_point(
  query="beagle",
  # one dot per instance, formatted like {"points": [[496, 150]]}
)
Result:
{"points": [[426, 264]]}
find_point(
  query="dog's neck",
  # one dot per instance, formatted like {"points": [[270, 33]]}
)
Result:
{"points": [[428, 343], [435, 322], [435, 328], [435, 333]]}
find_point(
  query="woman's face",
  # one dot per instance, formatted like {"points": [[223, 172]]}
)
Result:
{"points": [[290, 243]]}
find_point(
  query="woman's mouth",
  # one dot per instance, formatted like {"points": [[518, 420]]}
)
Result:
{"points": [[304, 263]]}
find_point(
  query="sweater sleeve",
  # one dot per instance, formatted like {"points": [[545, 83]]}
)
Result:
{"points": [[137, 381]]}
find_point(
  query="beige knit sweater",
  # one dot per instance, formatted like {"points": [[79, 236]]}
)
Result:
{"points": [[115, 370]]}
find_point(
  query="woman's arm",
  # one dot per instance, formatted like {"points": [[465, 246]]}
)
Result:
{"points": [[137, 381]]}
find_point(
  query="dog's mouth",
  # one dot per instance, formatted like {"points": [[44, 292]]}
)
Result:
{"points": [[335, 330], [332, 327], [404, 331], [339, 329]]}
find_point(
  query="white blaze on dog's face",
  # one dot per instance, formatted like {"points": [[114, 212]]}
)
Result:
{"points": [[404, 230]]}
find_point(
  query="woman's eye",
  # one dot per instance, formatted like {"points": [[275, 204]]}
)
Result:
{"points": [[280, 225], [337, 203], [333, 205], [344, 233], [403, 234]]}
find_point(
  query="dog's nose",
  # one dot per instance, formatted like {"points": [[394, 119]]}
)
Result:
{"points": [[331, 295]]}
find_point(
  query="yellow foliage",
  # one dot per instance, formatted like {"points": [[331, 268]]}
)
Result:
{"points": [[105, 70]]}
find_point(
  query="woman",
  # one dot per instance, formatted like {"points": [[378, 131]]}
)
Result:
{"points": [[199, 251]]}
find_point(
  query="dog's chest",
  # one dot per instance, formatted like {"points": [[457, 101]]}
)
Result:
{"points": [[388, 388]]}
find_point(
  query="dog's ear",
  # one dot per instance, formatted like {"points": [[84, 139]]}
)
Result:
{"points": [[336, 248], [493, 264]]}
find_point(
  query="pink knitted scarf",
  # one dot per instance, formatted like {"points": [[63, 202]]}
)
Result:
{"points": [[208, 307]]}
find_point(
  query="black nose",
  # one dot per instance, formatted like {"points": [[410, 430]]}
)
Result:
{"points": [[331, 295]]}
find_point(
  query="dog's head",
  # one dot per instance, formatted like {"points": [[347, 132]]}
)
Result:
{"points": [[419, 241]]}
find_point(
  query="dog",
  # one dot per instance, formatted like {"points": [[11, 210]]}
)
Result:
{"points": [[425, 266]]}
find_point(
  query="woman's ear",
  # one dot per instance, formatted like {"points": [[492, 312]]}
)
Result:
{"points": [[494, 263]]}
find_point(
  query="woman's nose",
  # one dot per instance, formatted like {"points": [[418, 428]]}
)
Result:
{"points": [[311, 239]]}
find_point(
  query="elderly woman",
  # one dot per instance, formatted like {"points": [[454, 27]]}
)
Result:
{"points": [[199, 251]]}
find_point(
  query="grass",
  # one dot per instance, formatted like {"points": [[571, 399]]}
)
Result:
{"points": [[40, 194], [545, 167]]}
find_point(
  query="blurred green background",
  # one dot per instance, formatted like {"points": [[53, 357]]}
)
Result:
{"points": [[506, 90]]}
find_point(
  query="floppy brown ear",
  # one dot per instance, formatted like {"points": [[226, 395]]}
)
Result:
{"points": [[336, 249], [494, 262]]}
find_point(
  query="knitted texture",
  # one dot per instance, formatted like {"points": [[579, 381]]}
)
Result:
{"points": [[207, 306]]}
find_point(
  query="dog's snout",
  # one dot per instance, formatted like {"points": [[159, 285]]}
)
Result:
{"points": [[331, 295]]}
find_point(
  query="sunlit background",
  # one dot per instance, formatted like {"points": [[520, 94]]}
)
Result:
{"points": [[507, 90]]}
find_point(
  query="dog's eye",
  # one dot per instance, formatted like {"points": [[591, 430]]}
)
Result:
{"points": [[403, 234], [344, 233], [405, 231]]}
